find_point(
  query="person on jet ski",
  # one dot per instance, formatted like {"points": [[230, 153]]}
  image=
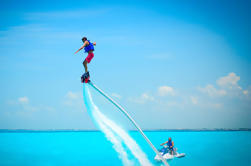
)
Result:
{"points": [[170, 146]]}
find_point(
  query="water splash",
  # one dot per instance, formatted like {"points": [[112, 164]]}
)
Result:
{"points": [[115, 134]]}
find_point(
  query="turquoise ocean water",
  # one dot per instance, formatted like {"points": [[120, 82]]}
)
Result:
{"points": [[230, 148]]}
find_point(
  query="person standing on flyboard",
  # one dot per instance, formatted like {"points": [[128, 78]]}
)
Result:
{"points": [[89, 48]]}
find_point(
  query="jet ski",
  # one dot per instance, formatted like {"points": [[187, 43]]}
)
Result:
{"points": [[166, 154]]}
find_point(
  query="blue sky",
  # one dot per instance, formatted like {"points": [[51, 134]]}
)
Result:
{"points": [[172, 64]]}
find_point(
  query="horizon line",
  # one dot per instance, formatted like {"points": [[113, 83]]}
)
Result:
{"points": [[146, 130]]}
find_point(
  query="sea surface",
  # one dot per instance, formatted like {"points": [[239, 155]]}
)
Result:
{"points": [[91, 148]]}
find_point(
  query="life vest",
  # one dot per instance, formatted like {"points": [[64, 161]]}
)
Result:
{"points": [[170, 143], [89, 47]]}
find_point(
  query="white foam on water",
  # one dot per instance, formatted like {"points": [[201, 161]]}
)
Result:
{"points": [[115, 134]]}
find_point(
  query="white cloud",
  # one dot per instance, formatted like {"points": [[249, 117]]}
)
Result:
{"points": [[23, 100], [230, 81], [146, 96], [116, 95], [205, 102], [73, 99], [23, 104], [245, 92], [212, 91], [71, 95], [29, 107], [166, 90], [230, 84], [194, 100], [142, 99], [227, 86]]}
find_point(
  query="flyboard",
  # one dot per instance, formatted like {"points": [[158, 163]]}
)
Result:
{"points": [[86, 79]]}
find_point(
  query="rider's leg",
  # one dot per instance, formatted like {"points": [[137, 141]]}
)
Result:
{"points": [[85, 65]]}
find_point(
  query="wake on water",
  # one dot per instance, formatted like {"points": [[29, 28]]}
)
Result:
{"points": [[115, 134]]}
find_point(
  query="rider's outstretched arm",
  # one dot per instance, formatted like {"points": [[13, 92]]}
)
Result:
{"points": [[163, 143], [85, 43], [80, 49]]}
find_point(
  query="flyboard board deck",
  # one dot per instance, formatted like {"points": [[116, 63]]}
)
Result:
{"points": [[85, 78]]}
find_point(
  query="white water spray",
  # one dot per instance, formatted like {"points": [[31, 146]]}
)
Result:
{"points": [[115, 134]]}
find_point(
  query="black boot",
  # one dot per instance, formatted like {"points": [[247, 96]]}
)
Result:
{"points": [[87, 74], [82, 78]]}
